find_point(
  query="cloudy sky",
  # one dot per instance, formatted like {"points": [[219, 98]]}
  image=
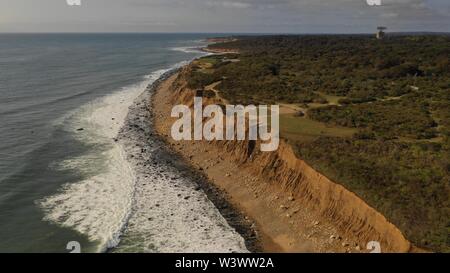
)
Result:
{"points": [[248, 16]]}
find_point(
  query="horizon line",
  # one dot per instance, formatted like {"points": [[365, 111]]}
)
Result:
{"points": [[226, 33]]}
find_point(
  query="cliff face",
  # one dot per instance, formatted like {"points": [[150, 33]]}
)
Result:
{"points": [[329, 200], [352, 216]]}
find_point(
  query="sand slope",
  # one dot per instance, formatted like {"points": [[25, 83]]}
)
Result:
{"points": [[295, 208]]}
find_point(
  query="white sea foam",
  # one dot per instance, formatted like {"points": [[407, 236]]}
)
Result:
{"points": [[99, 205], [172, 216], [147, 208], [170, 213], [187, 49]]}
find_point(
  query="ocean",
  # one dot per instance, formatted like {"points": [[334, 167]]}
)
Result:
{"points": [[63, 177]]}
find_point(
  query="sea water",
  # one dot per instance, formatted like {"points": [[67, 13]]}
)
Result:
{"points": [[63, 177]]}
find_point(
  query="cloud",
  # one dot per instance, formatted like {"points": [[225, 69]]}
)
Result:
{"points": [[439, 6], [227, 15], [229, 4]]}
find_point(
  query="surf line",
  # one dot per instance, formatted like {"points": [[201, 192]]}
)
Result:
{"points": [[235, 117]]}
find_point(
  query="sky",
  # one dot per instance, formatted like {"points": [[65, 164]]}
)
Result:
{"points": [[228, 16]]}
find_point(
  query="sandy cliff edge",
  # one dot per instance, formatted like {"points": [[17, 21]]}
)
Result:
{"points": [[294, 207]]}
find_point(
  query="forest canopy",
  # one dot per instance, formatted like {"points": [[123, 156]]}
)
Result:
{"points": [[373, 115]]}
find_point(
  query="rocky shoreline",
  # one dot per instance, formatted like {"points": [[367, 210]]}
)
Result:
{"points": [[294, 207], [149, 155]]}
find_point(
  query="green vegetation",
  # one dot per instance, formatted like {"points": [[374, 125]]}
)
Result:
{"points": [[384, 119], [407, 182], [372, 115], [304, 129]]}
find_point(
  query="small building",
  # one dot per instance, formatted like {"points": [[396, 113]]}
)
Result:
{"points": [[381, 34]]}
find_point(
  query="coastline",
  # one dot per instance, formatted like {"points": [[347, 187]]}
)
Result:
{"points": [[276, 231], [145, 151], [85, 206], [293, 207], [103, 169]]}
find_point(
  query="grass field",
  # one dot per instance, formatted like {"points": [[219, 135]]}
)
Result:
{"points": [[332, 99], [304, 129], [206, 64]]}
